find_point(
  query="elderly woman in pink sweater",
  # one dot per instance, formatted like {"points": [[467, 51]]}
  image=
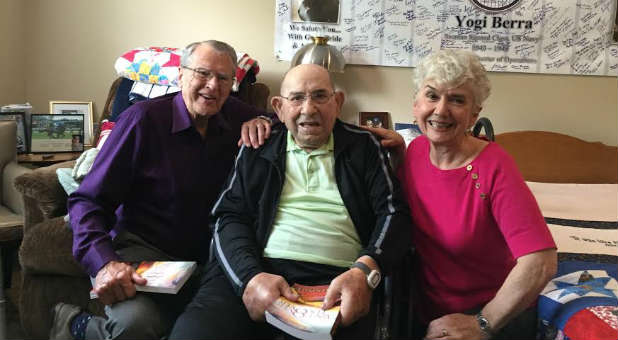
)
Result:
{"points": [[483, 250]]}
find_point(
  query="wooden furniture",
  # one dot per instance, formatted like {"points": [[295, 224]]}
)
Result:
{"points": [[42, 159], [574, 183], [551, 157]]}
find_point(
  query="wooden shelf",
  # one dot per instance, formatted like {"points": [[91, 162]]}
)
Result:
{"points": [[47, 158]]}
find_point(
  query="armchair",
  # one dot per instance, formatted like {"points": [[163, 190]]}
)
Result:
{"points": [[50, 274], [11, 206]]}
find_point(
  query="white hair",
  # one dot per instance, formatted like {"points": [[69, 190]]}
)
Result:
{"points": [[453, 68], [219, 46]]}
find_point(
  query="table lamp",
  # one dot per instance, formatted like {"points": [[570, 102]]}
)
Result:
{"points": [[320, 53]]}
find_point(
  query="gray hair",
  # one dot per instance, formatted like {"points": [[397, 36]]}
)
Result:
{"points": [[219, 46], [453, 68]]}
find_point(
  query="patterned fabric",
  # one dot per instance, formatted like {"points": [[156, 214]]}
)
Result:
{"points": [[153, 65], [245, 63], [580, 303], [592, 323], [106, 129], [606, 313]]}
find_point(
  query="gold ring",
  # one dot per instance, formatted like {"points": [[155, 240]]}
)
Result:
{"points": [[444, 332]]}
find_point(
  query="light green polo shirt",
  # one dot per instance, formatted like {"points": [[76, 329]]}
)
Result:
{"points": [[312, 223]]}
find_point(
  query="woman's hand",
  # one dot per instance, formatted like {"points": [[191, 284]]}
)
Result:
{"points": [[392, 141]]}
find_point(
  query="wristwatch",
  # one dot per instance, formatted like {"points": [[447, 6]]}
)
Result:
{"points": [[484, 324], [373, 276]]}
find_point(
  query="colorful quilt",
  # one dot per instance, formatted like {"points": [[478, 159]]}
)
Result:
{"points": [[580, 303], [153, 65]]}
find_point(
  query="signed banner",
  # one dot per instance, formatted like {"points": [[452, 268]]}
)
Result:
{"points": [[535, 36]]}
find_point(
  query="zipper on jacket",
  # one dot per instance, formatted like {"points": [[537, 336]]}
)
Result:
{"points": [[276, 204]]}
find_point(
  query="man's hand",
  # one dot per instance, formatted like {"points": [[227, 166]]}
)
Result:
{"points": [[455, 326], [355, 295], [262, 290], [254, 132], [116, 282]]}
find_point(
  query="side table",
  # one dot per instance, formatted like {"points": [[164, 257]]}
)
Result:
{"points": [[43, 159]]}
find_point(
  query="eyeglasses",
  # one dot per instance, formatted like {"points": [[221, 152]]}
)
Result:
{"points": [[320, 97], [207, 75]]}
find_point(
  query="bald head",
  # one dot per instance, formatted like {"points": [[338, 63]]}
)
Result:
{"points": [[308, 105], [305, 72]]}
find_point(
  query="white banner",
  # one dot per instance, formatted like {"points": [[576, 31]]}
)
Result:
{"points": [[535, 36]]}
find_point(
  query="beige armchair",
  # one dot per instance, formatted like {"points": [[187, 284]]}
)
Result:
{"points": [[11, 204]]}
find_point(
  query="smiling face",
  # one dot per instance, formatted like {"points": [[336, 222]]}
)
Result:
{"points": [[310, 121], [444, 114], [206, 97]]}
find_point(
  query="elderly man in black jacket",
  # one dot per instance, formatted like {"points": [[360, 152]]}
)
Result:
{"points": [[317, 204]]}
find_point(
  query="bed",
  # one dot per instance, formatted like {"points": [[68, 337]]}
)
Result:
{"points": [[576, 185]]}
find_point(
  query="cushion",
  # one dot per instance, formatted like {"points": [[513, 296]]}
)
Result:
{"points": [[46, 249], [153, 65], [84, 163]]}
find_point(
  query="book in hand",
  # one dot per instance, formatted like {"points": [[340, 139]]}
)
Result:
{"points": [[305, 319], [162, 276]]}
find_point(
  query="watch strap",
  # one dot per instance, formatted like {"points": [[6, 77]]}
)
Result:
{"points": [[484, 324], [365, 268]]}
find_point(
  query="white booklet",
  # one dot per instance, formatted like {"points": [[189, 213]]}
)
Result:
{"points": [[162, 276]]}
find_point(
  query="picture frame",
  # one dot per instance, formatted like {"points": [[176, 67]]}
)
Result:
{"points": [[74, 107], [51, 133], [22, 137], [374, 119]]}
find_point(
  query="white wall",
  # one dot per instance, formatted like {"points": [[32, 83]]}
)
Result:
{"points": [[71, 46]]}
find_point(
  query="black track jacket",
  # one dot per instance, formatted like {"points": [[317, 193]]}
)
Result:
{"points": [[246, 208]]}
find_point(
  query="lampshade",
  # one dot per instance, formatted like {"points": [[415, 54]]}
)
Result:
{"points": [[321, 53]]}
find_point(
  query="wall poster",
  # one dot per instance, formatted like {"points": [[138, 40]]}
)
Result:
{"points": [[534, 36]]}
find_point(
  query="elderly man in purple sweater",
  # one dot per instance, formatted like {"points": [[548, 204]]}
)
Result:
{"points": [[149, 194]]}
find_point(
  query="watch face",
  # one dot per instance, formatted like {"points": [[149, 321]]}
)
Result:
{"points": [[373, 280]]}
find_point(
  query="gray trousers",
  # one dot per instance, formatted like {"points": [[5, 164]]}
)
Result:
{"points": [[147, 315]]}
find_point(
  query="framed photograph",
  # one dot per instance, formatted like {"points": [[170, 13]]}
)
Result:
{"points": [[69, 108], [323, 11], [22, 137], [56, 133], [374, 119]]}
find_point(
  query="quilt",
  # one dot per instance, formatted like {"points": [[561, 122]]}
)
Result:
{"points": [[581, 301]]}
